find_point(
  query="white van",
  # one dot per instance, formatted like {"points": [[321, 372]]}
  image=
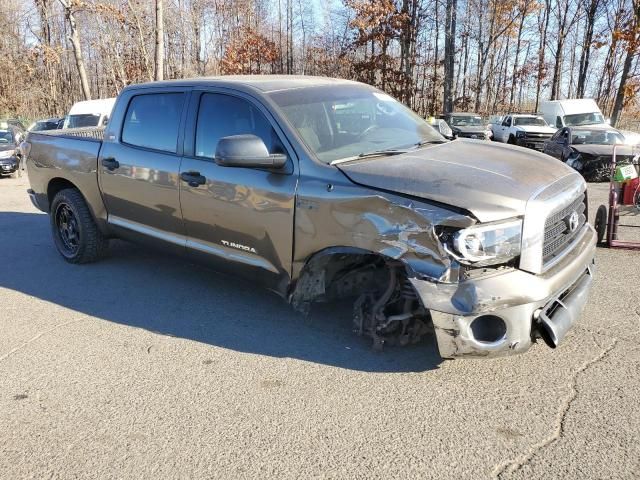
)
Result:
{"points": [[571, 113], [89, 113]]}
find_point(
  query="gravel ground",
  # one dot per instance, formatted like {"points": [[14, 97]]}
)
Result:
{"points": [[143, 366]]}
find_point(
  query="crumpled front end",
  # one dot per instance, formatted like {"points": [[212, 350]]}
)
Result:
{"points": [[503, 312], [504, 308]]}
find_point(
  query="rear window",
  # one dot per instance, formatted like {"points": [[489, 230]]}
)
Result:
{"points": [[153, 120]]}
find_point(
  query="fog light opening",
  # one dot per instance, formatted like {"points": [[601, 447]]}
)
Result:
{"points": [[488, 328]]}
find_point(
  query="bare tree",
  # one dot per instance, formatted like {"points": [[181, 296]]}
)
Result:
{"points": [[74, 38], [159, 60]]}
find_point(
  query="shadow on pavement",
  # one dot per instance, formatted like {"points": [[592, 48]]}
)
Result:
{"points": [[167, 295]]}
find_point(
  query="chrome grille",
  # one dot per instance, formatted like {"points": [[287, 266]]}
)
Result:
{"points": [[557, 234]]}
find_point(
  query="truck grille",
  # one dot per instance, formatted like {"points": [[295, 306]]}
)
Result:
{"points": [[561, 229], [477, 135]]}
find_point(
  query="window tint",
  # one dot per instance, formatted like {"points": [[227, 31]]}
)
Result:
{"points": [[153, 121], [224, 115]]}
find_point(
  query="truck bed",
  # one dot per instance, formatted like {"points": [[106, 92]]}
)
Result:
{"points": [[91, 133]]}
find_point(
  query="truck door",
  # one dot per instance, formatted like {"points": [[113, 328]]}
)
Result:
{"points": [[139, 165], [504, 129], [237, 219]]}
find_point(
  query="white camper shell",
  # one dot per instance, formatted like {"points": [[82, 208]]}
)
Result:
{"points": [[89, 113]]}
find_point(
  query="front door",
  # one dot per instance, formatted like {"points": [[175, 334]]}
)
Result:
{"points": [[239, 219], [139, 169]]}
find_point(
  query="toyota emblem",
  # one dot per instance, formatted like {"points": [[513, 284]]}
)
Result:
{"points": [[572, 221]]}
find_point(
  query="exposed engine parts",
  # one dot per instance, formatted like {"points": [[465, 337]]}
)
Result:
{"points": [[395, 317], [386, 308]]}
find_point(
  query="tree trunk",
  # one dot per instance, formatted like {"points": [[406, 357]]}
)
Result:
{"points": [[449, 53], [586, 48], [159, 60], [74, 37], [541, 51]]}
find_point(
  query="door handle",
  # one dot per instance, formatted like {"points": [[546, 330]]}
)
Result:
{"points": [[110, 163], [194, 179]]}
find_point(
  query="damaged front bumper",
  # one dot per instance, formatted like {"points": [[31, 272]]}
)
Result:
{"points": [[502, 313]]}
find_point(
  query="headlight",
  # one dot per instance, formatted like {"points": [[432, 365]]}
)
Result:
{"points": [[488, 244], [520, 134], [575, 160], [7, 154]]}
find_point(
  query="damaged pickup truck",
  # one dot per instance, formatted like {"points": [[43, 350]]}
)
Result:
{"points": [[322, 189]]}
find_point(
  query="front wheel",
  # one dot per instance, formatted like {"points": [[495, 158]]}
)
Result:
{"points": [[75, 234], [600, 224]]}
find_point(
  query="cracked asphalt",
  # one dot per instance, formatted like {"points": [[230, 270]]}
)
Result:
{"points": [[143, 366]]}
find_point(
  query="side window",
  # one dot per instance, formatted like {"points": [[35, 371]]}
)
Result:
{"points": [[559, 122], [152, 121], [222, 115], [507, 122]]}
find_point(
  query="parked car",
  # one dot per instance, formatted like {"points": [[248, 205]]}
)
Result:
{"points": [[9, 160], [589, 150], [15, 126], [467, 125], [525, 130], [320, 189], [46, 124], [89, 113]]}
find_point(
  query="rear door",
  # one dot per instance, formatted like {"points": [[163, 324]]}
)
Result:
{"points": [[139, 165], [238, 219]]}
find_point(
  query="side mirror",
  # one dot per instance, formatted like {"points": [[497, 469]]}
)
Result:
{"points": [[247, 151]]}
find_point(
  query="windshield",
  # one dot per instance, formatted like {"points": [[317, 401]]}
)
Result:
{"points": [[83, 120], [347, 121], [466, 121], [531, 121], [6, 137], [584, 119], [596, 137]]}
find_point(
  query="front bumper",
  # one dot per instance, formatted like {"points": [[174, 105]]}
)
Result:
{"points": [[504, 313], [8, 168], [533, 143]]}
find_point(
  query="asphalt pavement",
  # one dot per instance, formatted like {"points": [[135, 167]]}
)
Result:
{"points": [[144, 366]]}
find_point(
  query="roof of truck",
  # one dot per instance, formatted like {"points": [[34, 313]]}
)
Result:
{"points": [[573, 105], [264, 83]]}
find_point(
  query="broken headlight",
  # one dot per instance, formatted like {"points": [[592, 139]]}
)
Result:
{"points": [[487, 244]]}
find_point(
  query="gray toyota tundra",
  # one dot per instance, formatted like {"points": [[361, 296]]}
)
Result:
{"points": [[321, 189]]}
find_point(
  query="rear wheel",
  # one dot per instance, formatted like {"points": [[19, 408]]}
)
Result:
{"points": [[75, 234], [600, 223]]}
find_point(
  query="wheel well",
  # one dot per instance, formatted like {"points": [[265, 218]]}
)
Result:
{"points": [[57, 184], [340, 272]]}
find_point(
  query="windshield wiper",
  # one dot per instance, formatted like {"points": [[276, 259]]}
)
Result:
{"points": [[375, 153], [429, 142]]}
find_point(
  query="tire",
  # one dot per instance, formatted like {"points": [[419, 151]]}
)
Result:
{"points": [[75, 234], [600, 223], [512, 140]]}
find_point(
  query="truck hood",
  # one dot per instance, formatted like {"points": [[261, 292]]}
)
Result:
{"points": [[492, 181], [536, 129]]}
